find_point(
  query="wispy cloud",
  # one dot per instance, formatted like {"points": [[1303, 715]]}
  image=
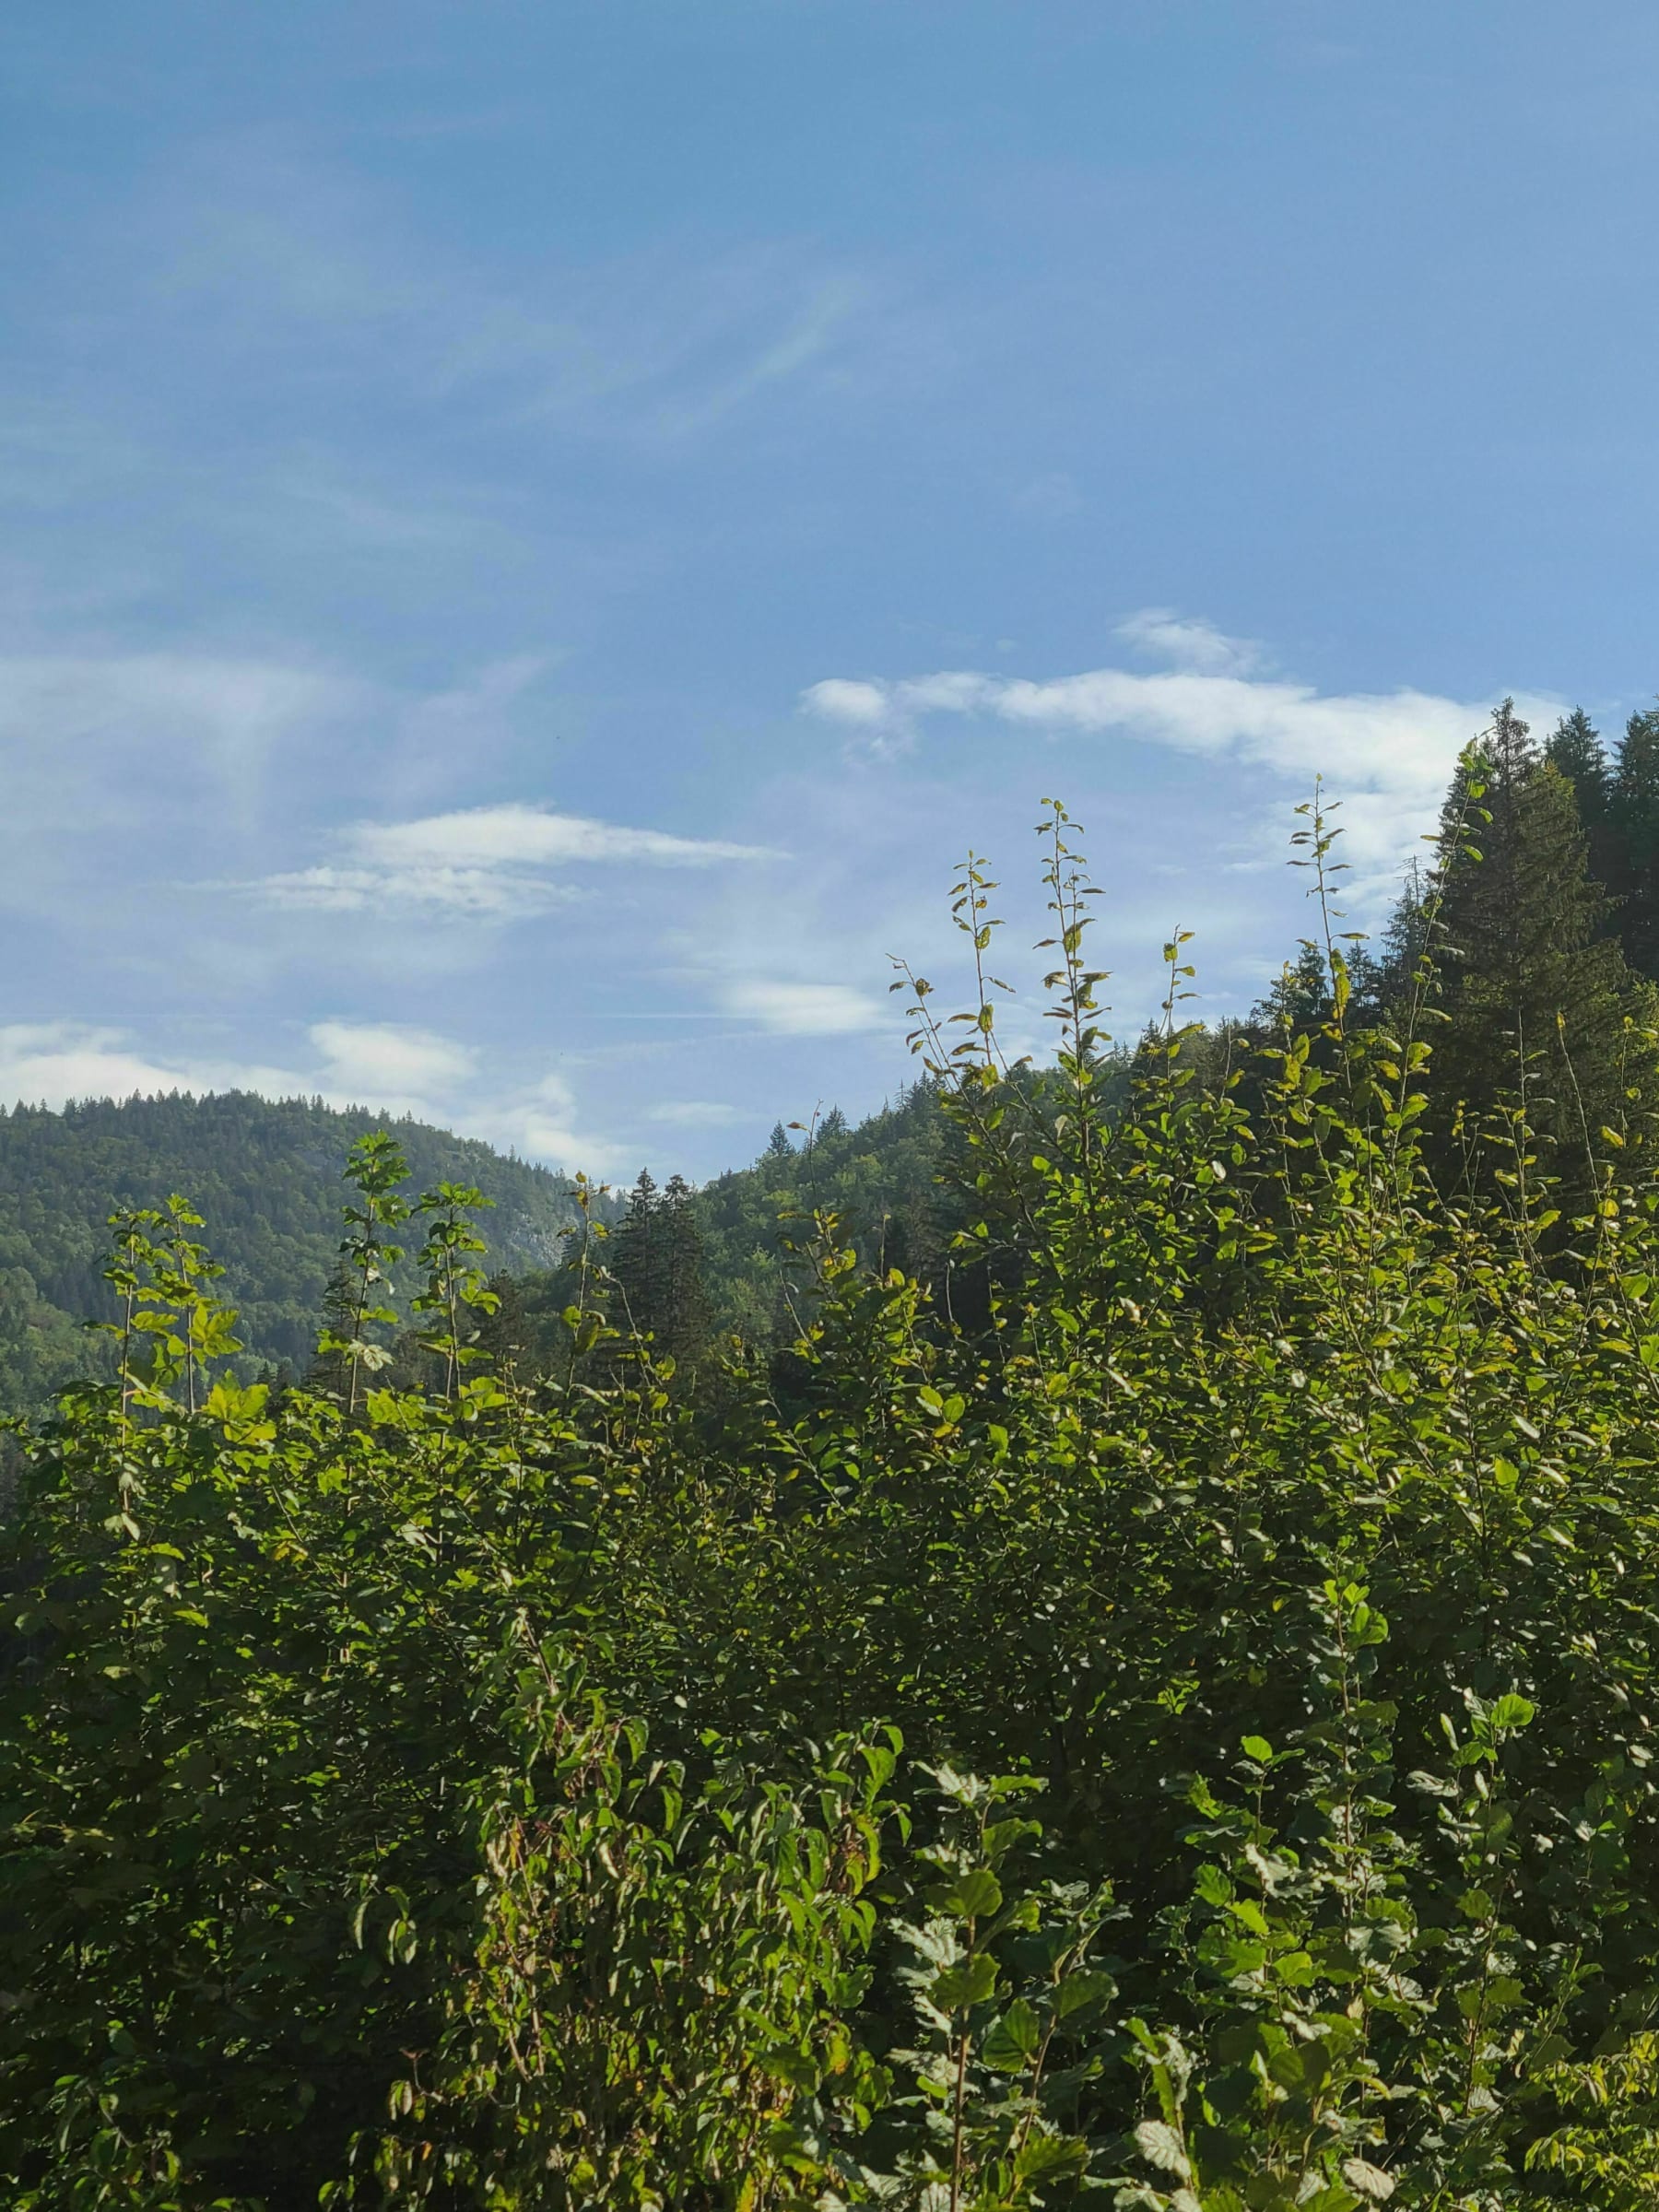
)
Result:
{"points": [[276, 261], [1188, 641], [1386, 755], [796, 1009], [90, 738], [491, 863], [79, 733], [1053, 497]]}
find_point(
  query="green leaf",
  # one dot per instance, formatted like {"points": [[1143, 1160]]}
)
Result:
{"points": [[1511, 1711], [1160, 2146], [1013, 2040], [1084, 1993], [1368, 2180], [1044, 2158], [966, 1983]]}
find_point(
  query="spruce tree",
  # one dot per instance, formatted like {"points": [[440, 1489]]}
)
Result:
{"points": [[636, 1255], [1635, 823], [1576, 750], [1537, 998], [1301, 994], [656, 1259], [1405, 938], [778, 1146], [682, 1322]]}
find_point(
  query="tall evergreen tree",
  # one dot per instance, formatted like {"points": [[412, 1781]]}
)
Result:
{"points": [[1406, 936], [636, 1254], [1300, 996], [1635, 823], [656, 1258], [682, 1321], [1536, 997], [1576, 750]]}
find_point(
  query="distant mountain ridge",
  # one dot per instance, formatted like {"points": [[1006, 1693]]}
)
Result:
{"points": [[264, 1173]]}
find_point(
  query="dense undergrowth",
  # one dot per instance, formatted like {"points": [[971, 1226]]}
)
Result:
{"points": [[1185, 1740]]}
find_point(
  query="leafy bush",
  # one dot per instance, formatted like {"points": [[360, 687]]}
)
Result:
{"points": [[1178, 1733]]}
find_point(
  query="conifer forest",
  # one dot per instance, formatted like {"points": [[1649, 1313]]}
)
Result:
{"points": [[1089, 1640]]}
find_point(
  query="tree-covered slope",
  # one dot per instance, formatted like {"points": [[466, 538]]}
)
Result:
{"points": [[266, 1173], [882, 1180]]}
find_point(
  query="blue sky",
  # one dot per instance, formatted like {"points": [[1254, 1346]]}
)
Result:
{"points": [[537, 533]]}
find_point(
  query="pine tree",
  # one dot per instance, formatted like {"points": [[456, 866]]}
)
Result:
{"points": [[778, 1146], [1536, 997], [1635, 824]]}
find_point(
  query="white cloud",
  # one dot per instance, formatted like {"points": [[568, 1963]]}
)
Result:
{"points": [[804, 1009], [389, 1067], [379, 1065], [844, 698], [483, 861], [542, 1125], [1386, 756], [1188, 641], [519, 835], [47, 1064], [384, 1066]]}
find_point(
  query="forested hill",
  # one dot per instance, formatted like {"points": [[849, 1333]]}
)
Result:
{"points": [[1545, 937], [265, 1174]]}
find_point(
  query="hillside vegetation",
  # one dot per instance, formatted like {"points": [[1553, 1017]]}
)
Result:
{"points": [[1173, 1727], [267, 1171]]}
